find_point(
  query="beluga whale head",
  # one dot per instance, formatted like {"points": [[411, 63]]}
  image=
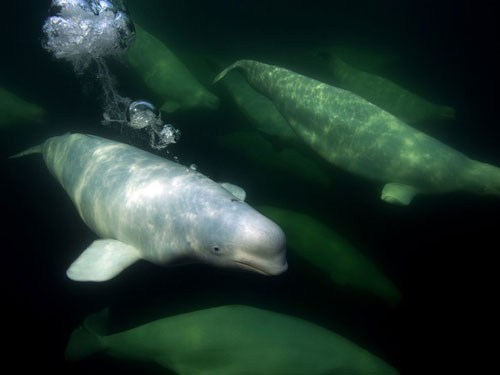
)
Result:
{"points": [[237, 236]]}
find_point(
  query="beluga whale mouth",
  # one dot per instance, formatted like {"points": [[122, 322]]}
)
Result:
{"points": [[275, 269], [252, 268]]}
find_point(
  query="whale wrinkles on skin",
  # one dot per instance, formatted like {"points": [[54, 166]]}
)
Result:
{"points": [[147, 207], [356, 135], [230, 340]]}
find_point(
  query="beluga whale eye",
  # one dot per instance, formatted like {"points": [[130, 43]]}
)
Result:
{"points": [[216, 249]]}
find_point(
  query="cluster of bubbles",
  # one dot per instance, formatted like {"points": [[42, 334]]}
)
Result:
{"points": [[85, 33], [81, 31]]}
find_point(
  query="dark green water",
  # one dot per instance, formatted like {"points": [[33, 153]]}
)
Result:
{"points": [[439, 251]]}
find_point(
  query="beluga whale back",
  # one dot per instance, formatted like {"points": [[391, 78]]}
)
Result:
{"points": [[358, 136], [147, 207]]}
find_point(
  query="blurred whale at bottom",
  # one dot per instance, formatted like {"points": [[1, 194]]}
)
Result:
{"points": [[229, 340], [322, 247]]}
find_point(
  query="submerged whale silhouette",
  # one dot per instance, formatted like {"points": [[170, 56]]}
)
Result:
{"points": [[229, 340]]}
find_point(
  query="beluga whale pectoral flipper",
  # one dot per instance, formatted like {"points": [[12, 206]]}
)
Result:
{"points": [[356, 135], [104, 259], [146, 207]]}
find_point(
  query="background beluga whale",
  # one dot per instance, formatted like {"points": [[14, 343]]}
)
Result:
{"points": [[358, 136], [147, 207], [388, 95], [166, 75], [16, 110], [228, 340]]}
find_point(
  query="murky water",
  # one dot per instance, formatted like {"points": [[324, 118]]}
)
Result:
{"points": [[439, 251]]}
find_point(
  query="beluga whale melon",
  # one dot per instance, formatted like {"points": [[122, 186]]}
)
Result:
{"points": [[356, 135], [146, 207]]}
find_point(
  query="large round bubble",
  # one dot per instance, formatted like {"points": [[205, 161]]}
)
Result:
{"points": [[141, 114]]}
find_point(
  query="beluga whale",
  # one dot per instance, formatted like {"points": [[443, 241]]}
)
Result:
{"points": [[227, 340], [146, 207], [166, 75], [16, 110], [356, 135]]}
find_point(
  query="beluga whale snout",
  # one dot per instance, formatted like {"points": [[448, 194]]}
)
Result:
{"points": [[237, 236], [263, 246], [147, 207]]}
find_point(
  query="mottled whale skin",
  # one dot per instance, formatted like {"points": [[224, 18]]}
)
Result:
{"points": [[358, 136], [147, 207], [263, 115], [229, 340], [258, 109]]}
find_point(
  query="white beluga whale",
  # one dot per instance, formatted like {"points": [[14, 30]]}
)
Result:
{"points": [[356, 135], [146, 207]]}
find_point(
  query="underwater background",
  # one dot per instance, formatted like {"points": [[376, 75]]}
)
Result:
{"points": [[440, 251]]}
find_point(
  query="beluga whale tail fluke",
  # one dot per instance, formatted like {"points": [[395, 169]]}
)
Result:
{"points": [[358, 136], [147, 207], [32, 150], [222, 74]]}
